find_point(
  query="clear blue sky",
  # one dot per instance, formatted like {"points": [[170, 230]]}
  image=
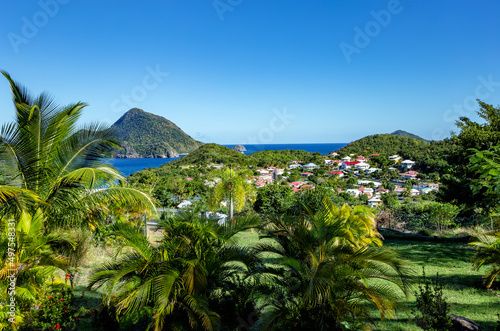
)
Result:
{"points": [[260, 71]]}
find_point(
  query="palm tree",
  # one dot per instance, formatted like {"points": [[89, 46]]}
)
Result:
{"points": [[234, 186], [324, 269], [60, 180], [488, 253], [187, 281], [59, 163], [33, 257]]}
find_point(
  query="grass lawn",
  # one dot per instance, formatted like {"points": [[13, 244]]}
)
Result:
{"points": [[462, 285], [463, 288]]}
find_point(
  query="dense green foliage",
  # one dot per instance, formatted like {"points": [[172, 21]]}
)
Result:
{"points": [[196, 278], [211, 154], [283, 158], [149, 134]]}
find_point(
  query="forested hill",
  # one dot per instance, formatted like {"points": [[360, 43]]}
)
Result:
{"points": [[429, 157], [210, 154], [144, 134], [385, 144], [402, 133]]}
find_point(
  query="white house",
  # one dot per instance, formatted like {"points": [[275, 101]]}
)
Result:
{"points": [[334, 154], [362, 166], [337, 173], [367, 182], [184, 204], [373, 202], [310, 166], [407, 164], [346, 159], [394, 158], [353, 192], [348, 164], [372, 170]]}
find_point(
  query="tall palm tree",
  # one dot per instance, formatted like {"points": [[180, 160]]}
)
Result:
{"points": [[60, 163], [184, 282], [235, 187], [324, 268]]}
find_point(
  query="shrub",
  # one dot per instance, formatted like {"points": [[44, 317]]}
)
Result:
{"points": [[432, 311], [53, 312]]}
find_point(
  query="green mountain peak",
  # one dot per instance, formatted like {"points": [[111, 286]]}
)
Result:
{"points": [[144, 134]]}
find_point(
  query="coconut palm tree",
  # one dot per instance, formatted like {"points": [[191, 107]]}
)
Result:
{"points": [[488, 253], [235, 187], [60, 163], [324, 269], [33, 257], [184, 282]]}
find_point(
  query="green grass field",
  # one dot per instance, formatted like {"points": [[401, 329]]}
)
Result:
{"points": [[462, 284], [463, 287]]}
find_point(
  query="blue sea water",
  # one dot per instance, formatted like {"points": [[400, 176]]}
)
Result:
{"points": [[324, 148], [129, 166]]}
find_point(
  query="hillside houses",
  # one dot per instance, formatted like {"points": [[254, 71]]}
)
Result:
{"points": [[355, 175]]}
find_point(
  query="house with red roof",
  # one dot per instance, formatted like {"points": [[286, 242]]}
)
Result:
{"points": [[409, 175], [337, 173], [349, 164], [306, 174], [296, 184]]}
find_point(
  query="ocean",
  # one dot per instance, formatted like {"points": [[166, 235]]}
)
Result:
{"points": [[129, 166]]}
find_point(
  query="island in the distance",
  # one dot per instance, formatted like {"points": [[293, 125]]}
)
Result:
{"points": [[145, 135]]}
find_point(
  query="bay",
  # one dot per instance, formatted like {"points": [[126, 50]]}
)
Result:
{"points": [[129, 166]]}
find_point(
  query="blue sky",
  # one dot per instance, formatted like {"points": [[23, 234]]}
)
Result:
{"points": [[260, 71]]}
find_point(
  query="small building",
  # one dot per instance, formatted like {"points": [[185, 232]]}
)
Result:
{"points": [[408, 164], [394, 158], [296, 184], [361, 158], [374, 202], [311, 166], [372, 170], [348, 164], [337, 173], [362, 166], [346, 159], [306, 174], [434, 187], [354, 192], [334, 154], [409, 175]]}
